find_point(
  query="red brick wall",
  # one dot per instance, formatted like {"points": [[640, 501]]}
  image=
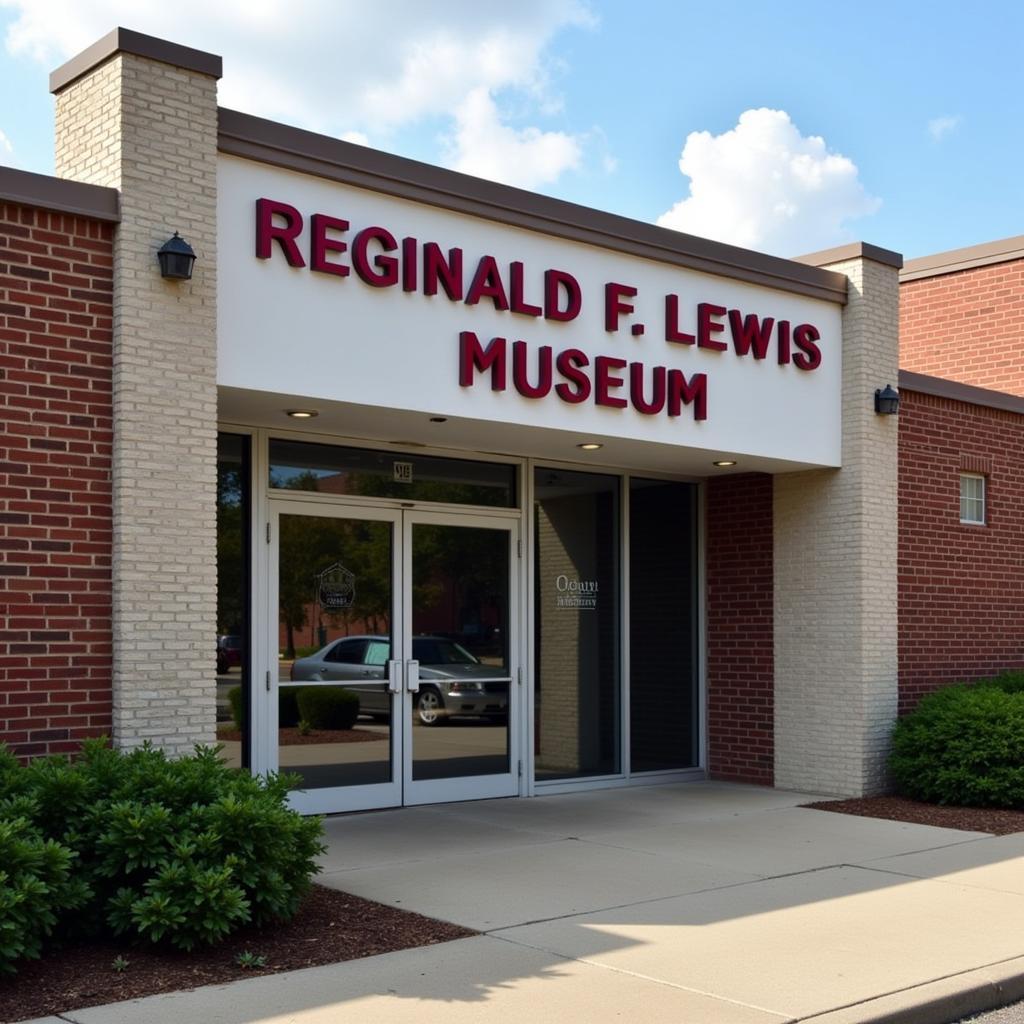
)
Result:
{"points": [[55, 501], [961, 588], [966, 326], [740, 627]]}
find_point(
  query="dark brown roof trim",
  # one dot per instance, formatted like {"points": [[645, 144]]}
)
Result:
{"points": [[983, 255], [59, 194], [124, 40], [852, 251], [283, 146], [957, 392]]}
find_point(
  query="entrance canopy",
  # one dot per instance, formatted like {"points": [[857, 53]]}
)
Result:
{"points": [[384, 312], [410, 428]]}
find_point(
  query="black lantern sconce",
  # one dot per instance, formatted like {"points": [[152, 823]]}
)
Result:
{"points": [[176, 258], [887, 401]]}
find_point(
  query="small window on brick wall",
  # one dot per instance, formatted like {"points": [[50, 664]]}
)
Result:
{"points": [[972, 499]]}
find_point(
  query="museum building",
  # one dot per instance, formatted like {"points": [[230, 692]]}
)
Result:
{"points": [[427, 488]]}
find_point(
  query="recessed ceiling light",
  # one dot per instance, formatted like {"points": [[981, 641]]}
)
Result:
{"points": [[590, 446], [725, 462], [302, 414], [438, 419]]}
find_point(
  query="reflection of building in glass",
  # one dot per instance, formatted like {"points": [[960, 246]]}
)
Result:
{"points": [[577, 687]]}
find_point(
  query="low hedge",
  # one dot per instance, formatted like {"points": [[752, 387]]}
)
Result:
{"points": [[287, 707], [964, 744], [180, 852], [328, 707]]}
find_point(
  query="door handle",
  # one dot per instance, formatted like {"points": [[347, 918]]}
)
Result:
{"points": [[412, 676], [394, 677]]}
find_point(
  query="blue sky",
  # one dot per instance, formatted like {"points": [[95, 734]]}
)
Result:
{"points": [[799, 126]]}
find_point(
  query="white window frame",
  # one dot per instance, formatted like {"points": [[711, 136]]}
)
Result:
{"points": [[973, 499]]}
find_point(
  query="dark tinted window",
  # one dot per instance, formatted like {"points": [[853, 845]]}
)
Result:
{"points": [[232, 594], [348, 652], [662, 631]]}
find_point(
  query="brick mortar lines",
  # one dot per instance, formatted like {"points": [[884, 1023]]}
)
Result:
{"points": [[835, 551], [740, 669], [960, 592], [123, 125], [966, 326], [55, 518]]}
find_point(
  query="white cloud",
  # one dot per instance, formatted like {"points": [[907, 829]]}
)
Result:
{"points": [[525, 157], [336, 66], [765, 186], [940, 127], [359, 138], [8, 156]]}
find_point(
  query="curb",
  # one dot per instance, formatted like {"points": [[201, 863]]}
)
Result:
{"points": [[937, 1002]]}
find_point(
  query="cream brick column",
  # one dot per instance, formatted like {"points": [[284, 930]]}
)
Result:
{"points": [[835, 563], [140, 115]]}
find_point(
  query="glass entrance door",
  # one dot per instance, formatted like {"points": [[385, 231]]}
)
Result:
{"points": [[459, 672], [332, 701], [392, 656]]}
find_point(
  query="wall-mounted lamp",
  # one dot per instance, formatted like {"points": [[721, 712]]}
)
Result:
{"points": [[176, 258], [887, 401]]}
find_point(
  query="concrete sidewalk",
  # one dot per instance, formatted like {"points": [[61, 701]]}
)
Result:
{"points": [[700, 903]]}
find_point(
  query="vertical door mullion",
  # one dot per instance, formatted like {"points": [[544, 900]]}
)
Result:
{"points": [[266, 697], [403, 649]]}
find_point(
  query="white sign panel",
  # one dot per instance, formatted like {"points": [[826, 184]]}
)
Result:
{"points": [[343, 294]]}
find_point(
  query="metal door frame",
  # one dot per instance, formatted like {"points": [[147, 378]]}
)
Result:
{"points": [[402, 789]]}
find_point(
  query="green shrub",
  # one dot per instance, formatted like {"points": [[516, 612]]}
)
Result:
{"points": [[36, 887], [237, 706], [287, 707], [1010, 681], [176, 851], [963, 745], [328, 707]]}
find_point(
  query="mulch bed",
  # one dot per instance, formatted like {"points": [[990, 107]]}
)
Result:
{"points": [[293, 738], [330, 926], [898, 808]]}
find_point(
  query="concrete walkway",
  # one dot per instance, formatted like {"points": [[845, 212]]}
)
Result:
{"points": [[691, 904]]}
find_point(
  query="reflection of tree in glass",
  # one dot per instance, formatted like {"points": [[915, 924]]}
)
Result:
{"points": [[470, 567], [381, 484], [309, 545], [230, 557], [368, 556]]}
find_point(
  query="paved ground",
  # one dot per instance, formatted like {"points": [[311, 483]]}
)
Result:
{"points": [[1007, 1015], [701, 903]]}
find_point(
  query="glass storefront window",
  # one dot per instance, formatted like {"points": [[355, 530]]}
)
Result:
{"points": [[233, 598], [662, 614], [577, 679], [328, 469]]}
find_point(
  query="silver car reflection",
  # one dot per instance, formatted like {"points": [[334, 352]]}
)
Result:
{"points": [[452, 681]]}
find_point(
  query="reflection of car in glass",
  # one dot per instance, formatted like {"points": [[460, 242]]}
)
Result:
{"points": [[229, 652], [452, 681]]}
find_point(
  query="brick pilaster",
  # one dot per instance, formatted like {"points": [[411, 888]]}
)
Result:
{"points": [[835, 570], [149, 128]]}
